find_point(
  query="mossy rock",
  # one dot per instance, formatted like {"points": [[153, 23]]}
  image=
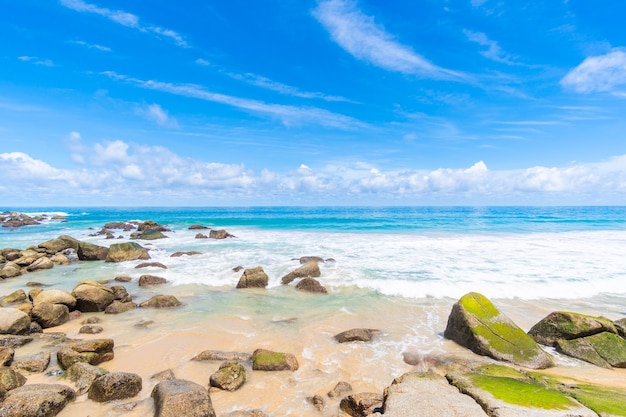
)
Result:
{"points": [[478, 325], [565, 325], [605, 349], [603, 400], [266, 360], [620, 325], [230, 376]]}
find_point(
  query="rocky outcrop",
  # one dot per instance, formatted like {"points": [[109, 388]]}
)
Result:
{"points": [[172, 396], [309, 269], [253, 278], [219, 234], [93, 352], [267, 360], [83, 375], [355, 335], [37, 400], [15, 219], [161, 301], [13, 321], [479, 326], [50, 315], [362, 404], [92, 296], [129, 251], [115, 386], [150, 280], [229, 377]]}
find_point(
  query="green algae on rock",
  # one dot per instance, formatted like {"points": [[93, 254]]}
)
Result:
{"points": [[478, 325], [266, 360], [604, 349], [566, 325]]}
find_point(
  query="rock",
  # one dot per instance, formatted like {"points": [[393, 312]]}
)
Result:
{"points": [[36, 363], [219, 234], [15, 219], [144, 324], [11, 254], [148, 235], [6, 355], [92, 296], [123, 278], [93, 352], [363, 404], [267, 360], [220, 355], [120, 293], [253, 278], [165, 375], [39, 264], [115, 386], [32, 294], [50, 315], [161, 301], [355, 335], [151, 280], [198, 227], [479, 326], [35, 328], [311, 285], [246, 413], [83, 375], [149, 225], [60, 259], [129, 251], [229, 377], [120, 225], [36, 284], [37, 400], [310, 269], [118, 307], [170, 397], [90, 252], [620, 325], [237, 268], [188, 253], [10, 270], [24, 307], [90, 329], [603, 349], [150, 265], [14, 341], [564, 325], [306, 259], [341, 389], [201, 236], [54, 296], [92, 320], [9, 379], [317, 401], [59, 244], [17, 296]]}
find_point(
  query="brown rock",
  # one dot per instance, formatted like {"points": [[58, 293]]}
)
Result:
{"points": [[355, 335], [60, 259], [39, 264], [90, 329], [219, 234], [165, 375], [188, 253], [37, 400], [93, 352], [129, 251], [6, 355], [115, 386], [10, 270], [201, 236], [310, 269], [83, 375], [170, 397], [161, 301], [118, 307], [36, 363], [363, 404], [50, 315], [267, 360], [9, 379], [317, 401], [150, 265], [229, 377], [253, 278], [151, 280], [311, 285], [17, 296], [198, 227], [54, 296], [92, 296], [123, 278], [341, 389], [220, 355], [90, 252]]}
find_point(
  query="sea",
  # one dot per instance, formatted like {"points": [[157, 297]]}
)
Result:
{"points": [[395, 269]]}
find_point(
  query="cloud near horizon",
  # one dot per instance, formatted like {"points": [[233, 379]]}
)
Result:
{"points": [[157, 176]]}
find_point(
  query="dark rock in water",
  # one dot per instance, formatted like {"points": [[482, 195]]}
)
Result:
{"points": [[198, 227], [564, 325], [341, 389], [311, 285], [83, 375], [178, 397], [93, 352], [90, 329], [92, 296], [92, 320], [150, 264], [479, 326], [115, 386], [13, 321], [229, 377], [220, 355], [355, 335], [10, 379], [603, 349], [151, 280], [6, 355], [123, 278], [129, 251], [237, 268], [317, 401], [161, 301], [188, 253], [307, 259], [120, 293], [219, 234], [267, 360], [90, 252], [310, 269], [363, 404], [201, 236], [36, 284], [118, 307], [120, 225], [36, 363], [253, 278], [149, 225], [50, 315], [148, 235], [37, 400]]}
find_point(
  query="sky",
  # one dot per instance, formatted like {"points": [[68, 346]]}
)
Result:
{"points": [[328, 102]]}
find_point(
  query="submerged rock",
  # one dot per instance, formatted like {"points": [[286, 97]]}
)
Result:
{"points": [[150, 280], [220, 355], [161, 301], [479, 326]]}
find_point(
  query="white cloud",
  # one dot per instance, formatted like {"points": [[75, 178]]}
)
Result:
{"points": [[158, 115], [125, 19], [92, 46], [203, 62], [111, 152], [368, 41], [36, 61], [603, 73], [493, 51]]}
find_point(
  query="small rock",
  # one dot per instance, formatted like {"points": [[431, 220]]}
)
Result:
{"points": [[123, 278], [90, 329], [161, 301], [267, 360], [151, 265], [166, 375], [311, 285], [341, 389], [188, 253], [36, 363], [117, 307], [219, 234], [220, 355], [201, 236], [83, 375], [91, 320], [230, 376], [310, 269], [363, 404], [317, 401], [93, 351], [253, 278], [115, 386], [354, 335], [151, 280]]}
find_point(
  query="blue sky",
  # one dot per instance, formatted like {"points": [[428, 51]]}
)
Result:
{"points": [[323, 102]]}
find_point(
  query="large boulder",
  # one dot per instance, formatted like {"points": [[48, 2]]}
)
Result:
{"points": [[602, 349], [253, 278], [59, 244], [565, 325], [50, 315], [83, 375], [115, 386], [55, 296], [93, 352], [6, 355], [10, 270], [267, 360], [129, 251], [35, 363], [178, 397], [16, 297], [39, 264], [90, 252], [230, 376], [161, 301], [479, 326], [37, 400], [10, 379], [309, 269], [92, 296]]}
